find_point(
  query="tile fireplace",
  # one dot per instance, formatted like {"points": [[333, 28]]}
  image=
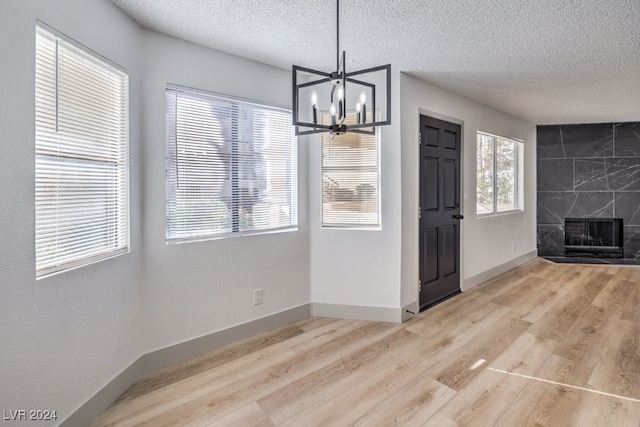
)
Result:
{"points": [[588, 172]]}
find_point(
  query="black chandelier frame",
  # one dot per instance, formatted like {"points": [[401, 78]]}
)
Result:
{"points": [[340, 78]]}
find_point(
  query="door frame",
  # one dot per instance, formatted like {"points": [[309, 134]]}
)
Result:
{"points": [[464, 198]]}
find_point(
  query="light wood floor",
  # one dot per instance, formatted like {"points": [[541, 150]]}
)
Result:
{"points": [[560, 345]]}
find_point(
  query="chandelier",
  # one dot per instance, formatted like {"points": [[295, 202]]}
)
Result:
{"points": [[339, 102]]}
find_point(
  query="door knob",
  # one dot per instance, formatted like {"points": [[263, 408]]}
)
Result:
{"points": [[458, 216]]}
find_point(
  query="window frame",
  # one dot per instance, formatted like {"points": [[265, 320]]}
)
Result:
{"points": [[234, 172], [117, 224], [518, 175]]}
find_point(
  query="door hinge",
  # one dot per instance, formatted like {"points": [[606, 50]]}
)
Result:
{"points": [[419, 138], [419, 285], [419, 212]]}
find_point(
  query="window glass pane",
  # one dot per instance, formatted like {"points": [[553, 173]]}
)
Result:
{"points": [[230, 167], [265, 172], [506, 175], [351, 179], [200, 170], [485, 177], [497, 174]]}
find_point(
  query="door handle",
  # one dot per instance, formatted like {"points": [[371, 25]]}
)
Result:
{"points": [[458, 216]]}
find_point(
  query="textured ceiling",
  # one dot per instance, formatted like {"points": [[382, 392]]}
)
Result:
{"points": [[546, 61]]}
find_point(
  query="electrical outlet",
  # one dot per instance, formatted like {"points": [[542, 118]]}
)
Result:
{"points": [[257, 296]]}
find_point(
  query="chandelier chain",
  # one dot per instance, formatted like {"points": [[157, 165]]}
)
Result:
{"points": [[337, 35]]}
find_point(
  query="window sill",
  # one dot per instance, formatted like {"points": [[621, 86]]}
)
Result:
{"points": [[497, 214], [81, 262], [237, 234], [352, 227]]}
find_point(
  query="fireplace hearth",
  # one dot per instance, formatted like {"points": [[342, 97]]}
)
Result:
{"points": [[593, 237]]}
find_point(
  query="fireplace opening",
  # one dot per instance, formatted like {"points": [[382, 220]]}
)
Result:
{"points": [[593, 237]]}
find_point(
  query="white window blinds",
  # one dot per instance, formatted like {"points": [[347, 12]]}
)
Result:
{"points": [[351, 179], [82, 202], [231, 167]]}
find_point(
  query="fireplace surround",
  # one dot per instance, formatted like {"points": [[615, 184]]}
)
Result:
{"points": [[588, 171]]}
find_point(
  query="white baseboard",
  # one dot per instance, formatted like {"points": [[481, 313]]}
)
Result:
{"points": [[197, 346], [496, 271], [357, 312], [98, 403]]}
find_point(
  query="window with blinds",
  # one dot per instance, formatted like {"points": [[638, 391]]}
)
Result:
{"points": [[351, 179], [82, 202], [231, 167]]}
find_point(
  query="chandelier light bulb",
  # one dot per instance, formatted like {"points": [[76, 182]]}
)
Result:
{"points": [[340, 102], [332, 111], [363, 100], [314, 103], [358, 107]]}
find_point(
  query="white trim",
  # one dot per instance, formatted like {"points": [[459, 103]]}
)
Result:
{"points": [[503, 213], [357, 312], [500, 136], [93, 55], [496, 271], [163, 357], [86, 413], [99, 402], [231, 98]]}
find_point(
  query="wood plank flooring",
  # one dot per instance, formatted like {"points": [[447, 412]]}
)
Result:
{"points": [[542, 345]]}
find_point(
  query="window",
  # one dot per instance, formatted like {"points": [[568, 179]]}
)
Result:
{"points": [[82, 201], [351, 179], [231, 167], [498, 168]]}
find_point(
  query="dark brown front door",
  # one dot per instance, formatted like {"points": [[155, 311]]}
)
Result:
{"points": [[439, 210]]}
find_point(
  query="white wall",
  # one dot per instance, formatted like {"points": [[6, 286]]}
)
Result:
{"points": [[194, 289], [487, 242], [360, 267], [64, 337]]}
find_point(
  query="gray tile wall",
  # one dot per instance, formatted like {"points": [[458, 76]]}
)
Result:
{"points": [[588, 171]]}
